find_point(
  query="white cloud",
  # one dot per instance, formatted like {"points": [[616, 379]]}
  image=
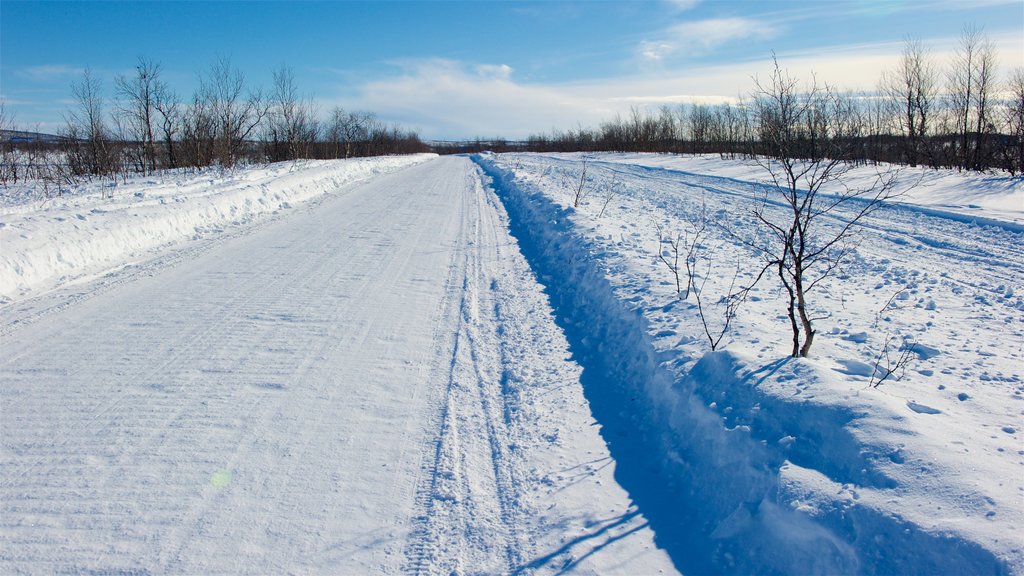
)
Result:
{"points": [[447, 99], [499, 72], [656, 50], [702, 36]]}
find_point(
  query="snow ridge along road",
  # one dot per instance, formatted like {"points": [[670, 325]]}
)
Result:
{"points": [[370, 384]]}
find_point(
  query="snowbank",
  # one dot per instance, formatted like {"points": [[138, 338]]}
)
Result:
{"points": [[44, 244], [746, 461]]}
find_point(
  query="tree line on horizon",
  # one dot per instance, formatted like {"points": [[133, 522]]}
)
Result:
{"points": [[959, 117], [147, 127]]}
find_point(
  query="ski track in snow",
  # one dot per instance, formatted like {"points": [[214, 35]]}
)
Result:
{"points": [[370, 384]]}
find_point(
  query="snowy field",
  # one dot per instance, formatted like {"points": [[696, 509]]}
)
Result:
{"points": [[788, 465], [427, 365]]}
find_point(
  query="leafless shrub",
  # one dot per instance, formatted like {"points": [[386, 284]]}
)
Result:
{"points": [[580, 188], [892, 360], [727, 305], [611, 190]]}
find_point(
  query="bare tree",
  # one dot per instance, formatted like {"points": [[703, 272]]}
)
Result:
{"points": [[292, 126], [700, 128], [611, 190], [168, 107], [137, 106], [685, 243], [199, 134], [235, 117], [351, 130], [971, 81], [892, 361], [670, 257], [805, 135], [8, 155], [86, 134], [985, 74], [334, 132], [728, 304], [911, 91], [1015, 122]]}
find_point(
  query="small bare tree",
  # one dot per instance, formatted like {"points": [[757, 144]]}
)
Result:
{"points": [[805, 137], [687, 244], [971, 81], [198, 132], [168, 107], [350, 133], [670, 257], [580, 188], [292, 128]]}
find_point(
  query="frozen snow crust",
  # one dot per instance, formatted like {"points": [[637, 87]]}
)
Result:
{"points": [[49, 242], [743, 465]]}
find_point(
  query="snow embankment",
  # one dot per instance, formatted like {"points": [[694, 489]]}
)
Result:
{"points": [[102, 226], [744, 460]]}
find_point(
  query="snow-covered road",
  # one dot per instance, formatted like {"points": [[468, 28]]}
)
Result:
{"points": [[370, 384]]}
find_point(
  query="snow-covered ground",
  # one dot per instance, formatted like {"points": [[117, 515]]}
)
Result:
{"points": [[417, 365], [93, 227], [782, 465]]}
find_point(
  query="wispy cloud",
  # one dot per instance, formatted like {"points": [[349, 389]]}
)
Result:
{"points": [[50, 72], [703, 36], [494, 71], [682, 5]]}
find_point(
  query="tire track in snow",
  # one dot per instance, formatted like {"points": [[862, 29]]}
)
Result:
{"points": [[468, 499]]}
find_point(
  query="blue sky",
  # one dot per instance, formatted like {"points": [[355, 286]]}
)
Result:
{"points": [[466, 69]]}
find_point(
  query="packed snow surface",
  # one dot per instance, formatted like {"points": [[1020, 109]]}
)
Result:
{"points": [[425, 366], [368, 383]]}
